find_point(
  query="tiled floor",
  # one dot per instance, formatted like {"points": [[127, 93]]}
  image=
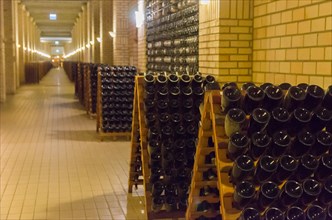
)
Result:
{"points": [[53, 165]]}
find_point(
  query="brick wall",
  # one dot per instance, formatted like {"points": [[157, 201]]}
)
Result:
{"points": [[132, 32], [95, 29], [10, 44], [141, 49], [292, 41], [121, 26], [2, 51], [225, 40], [106, 25]]}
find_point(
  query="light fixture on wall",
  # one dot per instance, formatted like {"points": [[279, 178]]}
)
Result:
{"points": [[204, 2], [56, 42], [139, 16], [99, 39], [57, 50], [92, 42], [52, 16], [87, 46], [112, 33], [18, 46]]}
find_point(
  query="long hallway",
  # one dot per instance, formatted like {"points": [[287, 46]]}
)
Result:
{"points": [[53, 165]]}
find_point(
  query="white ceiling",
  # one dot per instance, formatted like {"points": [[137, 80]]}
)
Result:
{"points": [[67, 11]]}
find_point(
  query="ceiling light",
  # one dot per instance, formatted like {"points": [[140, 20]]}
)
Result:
{"points": [[87, 46], [112, 33], [56, 42], [99, 39], [18, 45], [52, 17], [92, 42], [57, 50], [204, 2]]}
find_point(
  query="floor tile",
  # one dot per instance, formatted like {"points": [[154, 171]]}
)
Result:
{"points": [[53, 164]]}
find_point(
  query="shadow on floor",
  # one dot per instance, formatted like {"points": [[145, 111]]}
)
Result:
{"points": [[76, 135], [66, 96], [72, 105], [107, 206], [85, 135]]}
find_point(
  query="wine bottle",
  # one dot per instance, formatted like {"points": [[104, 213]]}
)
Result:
{"points": [[278, 121], [243, 169], [238, 145], [231, 98], [244, 193], [259, 120], [253, 98], [273, 97], [290, 193], [314, 98], [327, 101], [285, 86], [235, 121], [268, 193], [294, 98], [319, 119]]}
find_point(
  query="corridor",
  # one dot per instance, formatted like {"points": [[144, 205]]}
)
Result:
{"points": [[53, 165]]}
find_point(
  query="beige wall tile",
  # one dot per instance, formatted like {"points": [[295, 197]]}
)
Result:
{"points": [[304, 27], [316, 80], [318, 25], [317, 53], [311, 11], [309, 68], [325, 8], [324, 68]]}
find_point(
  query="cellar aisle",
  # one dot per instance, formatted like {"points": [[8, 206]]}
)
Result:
{"points": [[53, 165]]}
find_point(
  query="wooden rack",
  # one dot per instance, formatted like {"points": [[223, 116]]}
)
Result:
{"points": [[139, 122], [212, 125], [206, 131], [99, 116], [134, 133]]}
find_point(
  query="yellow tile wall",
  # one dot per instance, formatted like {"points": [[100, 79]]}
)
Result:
{"points": [[121, 28], [292, 41], [225, 40], [141, 51]]}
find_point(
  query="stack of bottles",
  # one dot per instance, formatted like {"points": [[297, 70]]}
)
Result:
{"points": [[80, 83], [172, 114], [281, 144], [93, 87], [74, 70], [117, 93], [172, 35]]}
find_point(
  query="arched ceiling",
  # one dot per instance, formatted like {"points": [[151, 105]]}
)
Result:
{"points": [[66, 10]]}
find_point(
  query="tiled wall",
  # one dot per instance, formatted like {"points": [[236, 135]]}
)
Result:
{"points": [[225, 40], [292, 41], [10, 45], [133, 38], [141, 49], [121, 26], [106, 25], [17, 31], [2, 51]]}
